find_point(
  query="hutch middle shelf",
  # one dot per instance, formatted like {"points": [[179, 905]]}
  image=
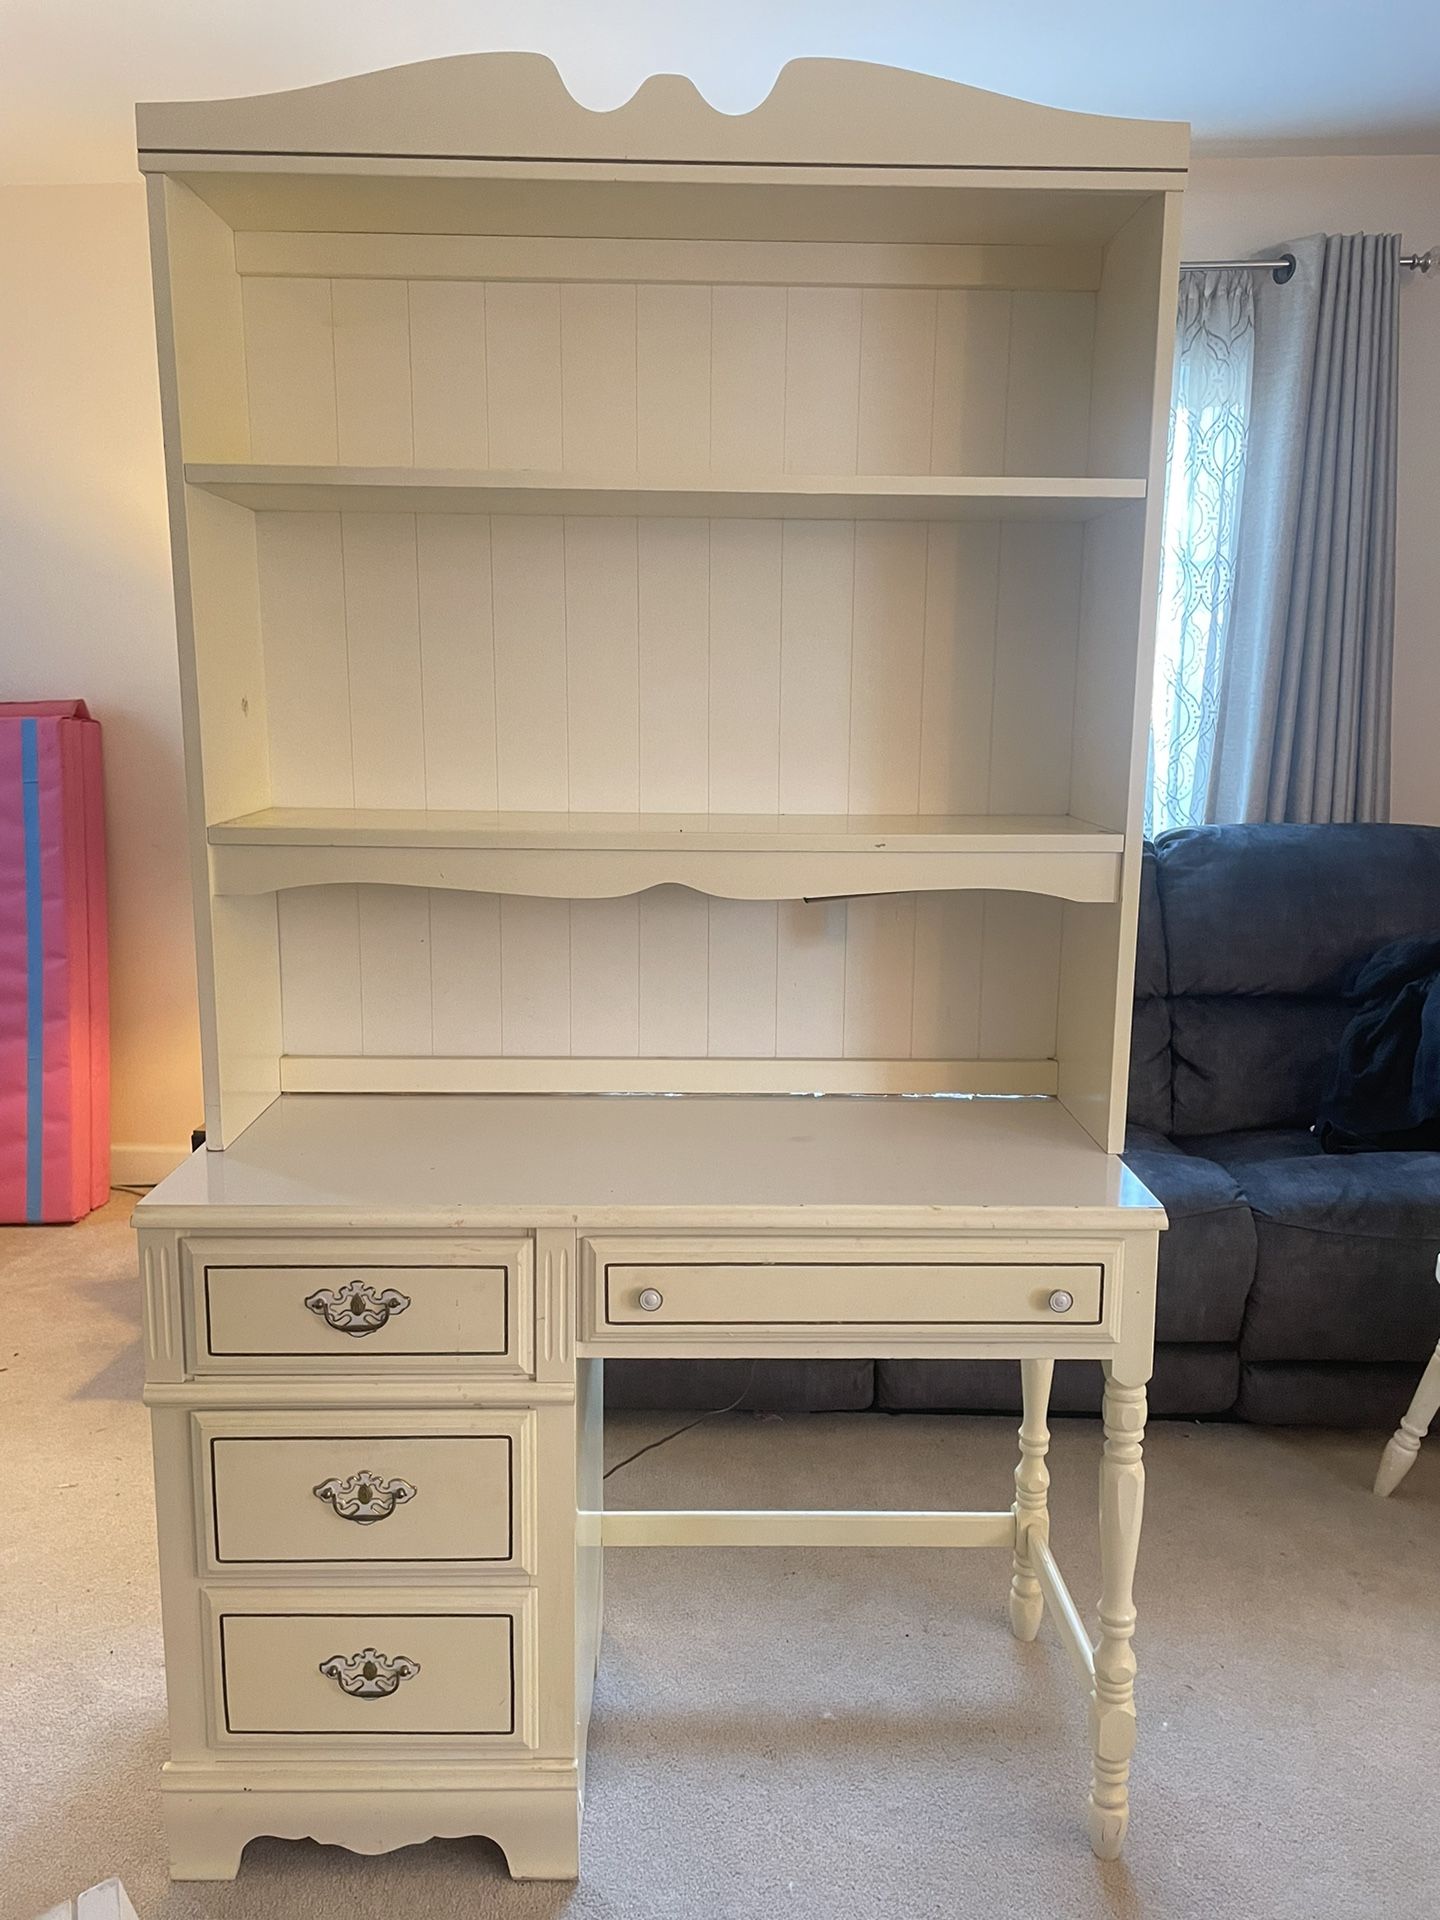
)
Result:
{"points": [[601, 855], [755, 496]]}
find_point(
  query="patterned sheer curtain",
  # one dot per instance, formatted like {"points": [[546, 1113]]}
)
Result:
{"points": [[1205, 475]]}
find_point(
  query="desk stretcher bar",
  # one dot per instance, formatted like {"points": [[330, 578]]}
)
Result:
{"points": [[819, 1528]]}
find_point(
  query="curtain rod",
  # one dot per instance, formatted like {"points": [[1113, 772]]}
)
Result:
{"points": [[1284, 267]]}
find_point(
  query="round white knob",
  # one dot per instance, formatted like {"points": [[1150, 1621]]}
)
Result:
{"points": [[651, 1300], [1060, 1301]]}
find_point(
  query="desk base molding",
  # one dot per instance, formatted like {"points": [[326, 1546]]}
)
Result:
{"points": [[208, 1823]]}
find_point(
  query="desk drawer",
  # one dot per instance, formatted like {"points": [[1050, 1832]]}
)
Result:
{"points": [[870, 1294], [851, 1293], [352, 1490], [368, 1676], [359, 1307]]}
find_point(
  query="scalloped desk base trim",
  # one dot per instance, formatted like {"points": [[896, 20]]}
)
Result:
{"points": [[536, 1828]]}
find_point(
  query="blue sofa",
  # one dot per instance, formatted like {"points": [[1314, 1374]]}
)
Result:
{"points": [[1295, 1286]]}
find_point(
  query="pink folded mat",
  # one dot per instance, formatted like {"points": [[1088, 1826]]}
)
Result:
{"points": [[54, 987]]}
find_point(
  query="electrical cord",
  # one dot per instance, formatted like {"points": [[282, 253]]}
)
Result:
{"points": [[689, 1426]]}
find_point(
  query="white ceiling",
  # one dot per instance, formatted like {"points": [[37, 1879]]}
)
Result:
{"points": [[1297, 75]]}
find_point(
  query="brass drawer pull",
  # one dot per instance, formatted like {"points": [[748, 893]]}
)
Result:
{"points": [[364, 1497], [369, 1675], [355, 1308]]}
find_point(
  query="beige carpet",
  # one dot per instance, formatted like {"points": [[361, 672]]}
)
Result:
{"points": [[828, 1736]]}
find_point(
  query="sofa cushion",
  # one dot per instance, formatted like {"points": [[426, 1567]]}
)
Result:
{"points": [[1303, 1394], [1345, 1249], [1290, 909], [1150, 1069], [1149, 1097], [1263, 1062], [1152, 965], [1207, 1256], [1264, 928]]}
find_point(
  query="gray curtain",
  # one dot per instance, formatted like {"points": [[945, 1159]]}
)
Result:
{"points": [[1303, 731]]}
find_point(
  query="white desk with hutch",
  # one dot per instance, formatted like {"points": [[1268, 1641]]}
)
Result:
{"points": [[665, 608]]}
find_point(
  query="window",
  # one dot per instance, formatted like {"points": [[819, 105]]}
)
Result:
{"points": [[1205, 475]]}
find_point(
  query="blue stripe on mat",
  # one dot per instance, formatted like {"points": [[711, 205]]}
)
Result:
{"points": [[34, 975]]}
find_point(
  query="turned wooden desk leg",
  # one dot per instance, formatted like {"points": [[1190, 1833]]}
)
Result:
{"points": [[1112, 1705], [1032, 1481], [1404, 1444]]}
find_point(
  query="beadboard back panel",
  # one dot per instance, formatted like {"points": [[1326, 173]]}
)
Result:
{"points": [[668, 665], [668, 974], [625, 378], [688, 666]]}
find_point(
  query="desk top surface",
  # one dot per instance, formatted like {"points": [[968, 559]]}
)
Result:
{"points": [[463, 1160]]}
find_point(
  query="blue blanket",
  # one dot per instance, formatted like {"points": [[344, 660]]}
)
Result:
{"points": [[1385, 1093]]}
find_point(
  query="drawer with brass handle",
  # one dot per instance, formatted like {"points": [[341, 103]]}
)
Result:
{"points": [[360, 1306], [284, 1670], [389, 1489]]}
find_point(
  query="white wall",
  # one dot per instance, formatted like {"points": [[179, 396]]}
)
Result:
{"points": [[85, 606], [83, 559]]}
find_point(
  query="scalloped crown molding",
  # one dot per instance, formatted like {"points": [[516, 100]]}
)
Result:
{"points": [[499, 106]]}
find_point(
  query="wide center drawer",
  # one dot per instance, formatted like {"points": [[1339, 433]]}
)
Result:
{"points": [[355, 1306], [851, 1293], [368, 1676], [328, 1489]]}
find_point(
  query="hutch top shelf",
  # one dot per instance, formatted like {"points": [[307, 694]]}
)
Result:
{"points": [[748, 497]]}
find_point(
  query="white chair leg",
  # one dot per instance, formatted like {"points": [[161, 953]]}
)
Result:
{"points": [[1032, 1480], [1401, 1449], [1112, 1705]]}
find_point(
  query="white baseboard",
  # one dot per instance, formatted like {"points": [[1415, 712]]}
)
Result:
{"points": [[132, 1165]]}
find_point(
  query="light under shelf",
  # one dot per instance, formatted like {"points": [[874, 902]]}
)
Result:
{"points": [[604, 855], [728, 497]]}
